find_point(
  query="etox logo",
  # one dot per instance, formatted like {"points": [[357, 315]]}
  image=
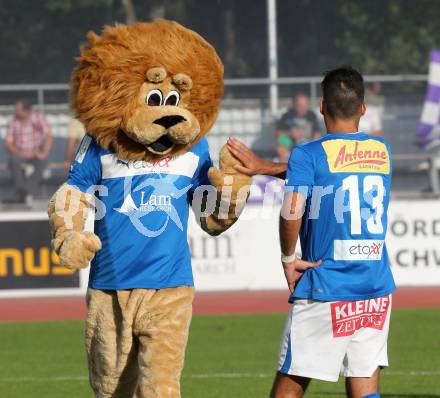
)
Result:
{"points": [[373, 248], [361, 250]]}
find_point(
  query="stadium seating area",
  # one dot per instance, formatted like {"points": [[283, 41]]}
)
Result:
{"points": [[250, 121]]}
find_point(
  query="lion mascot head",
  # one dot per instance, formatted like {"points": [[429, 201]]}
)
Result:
{"points": [[147, 91]]}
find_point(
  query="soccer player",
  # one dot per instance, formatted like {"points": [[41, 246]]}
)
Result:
{"points": [[336, 201]]}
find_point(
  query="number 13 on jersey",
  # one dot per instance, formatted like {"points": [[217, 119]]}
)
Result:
{"points": [[371, 189]]}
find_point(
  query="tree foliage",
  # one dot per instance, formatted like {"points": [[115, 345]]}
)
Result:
{"points": [[40, 38], [393, 36]]}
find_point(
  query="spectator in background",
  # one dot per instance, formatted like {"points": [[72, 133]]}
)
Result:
{"points": [[373, 95], [285, 145], [75, 133], [371, 122], [299, 122], [28, 142]]}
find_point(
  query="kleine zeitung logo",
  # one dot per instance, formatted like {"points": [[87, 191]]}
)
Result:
{"points": [[350, 316]]}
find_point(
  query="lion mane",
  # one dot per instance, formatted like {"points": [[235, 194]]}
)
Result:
{"points": [[112, 67]]}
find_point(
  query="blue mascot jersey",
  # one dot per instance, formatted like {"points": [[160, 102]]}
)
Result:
{"points": [[346, 179], [141, 215]]}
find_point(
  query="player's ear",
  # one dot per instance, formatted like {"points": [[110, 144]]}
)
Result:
{"points": [[363, 108], [321, 107]]}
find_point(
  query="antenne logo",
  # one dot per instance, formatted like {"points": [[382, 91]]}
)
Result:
{"points": [[345, 158], [156, 195], [357, 156]]}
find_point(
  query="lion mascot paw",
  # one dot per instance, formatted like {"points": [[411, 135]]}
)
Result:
{"points": [[147, 94]]}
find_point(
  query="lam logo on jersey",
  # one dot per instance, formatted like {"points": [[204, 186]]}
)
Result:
{"points": [[352, 156], [161, 192]]}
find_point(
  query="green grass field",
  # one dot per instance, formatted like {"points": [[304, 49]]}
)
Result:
{"points": [[228, 356]]}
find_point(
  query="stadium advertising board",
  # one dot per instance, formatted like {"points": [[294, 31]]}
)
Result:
{"points": [[245, 257], [28, 265], [248, 255], [414, 242]]}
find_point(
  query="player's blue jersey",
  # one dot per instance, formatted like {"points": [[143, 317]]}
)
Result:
{"points": [[346, 179], [141, 215]]}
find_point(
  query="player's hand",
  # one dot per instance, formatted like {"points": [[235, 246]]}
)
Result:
{"points": [[294, 270], [251, 163]]}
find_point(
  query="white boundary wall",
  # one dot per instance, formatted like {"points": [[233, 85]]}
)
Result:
{"points": [[247, 256], [252, 259]]}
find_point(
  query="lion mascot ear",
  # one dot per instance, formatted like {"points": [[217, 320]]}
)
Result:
{"points": [[147, 94]]}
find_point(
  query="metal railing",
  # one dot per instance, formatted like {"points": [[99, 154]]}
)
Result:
{"points": [[433, 167], [312, 81], [39, 89], [246, 113]]}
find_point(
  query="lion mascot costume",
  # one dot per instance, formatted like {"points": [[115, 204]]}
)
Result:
{"points": [[147, 94]]}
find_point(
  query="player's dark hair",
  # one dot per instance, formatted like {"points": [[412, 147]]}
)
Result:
{"points": [[343, 92]]}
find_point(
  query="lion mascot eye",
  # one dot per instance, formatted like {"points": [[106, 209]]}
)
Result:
{"points": [[154, 98], [172, 98]]}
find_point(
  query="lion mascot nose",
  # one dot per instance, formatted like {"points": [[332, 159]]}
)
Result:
{"points": [[169, 121]]}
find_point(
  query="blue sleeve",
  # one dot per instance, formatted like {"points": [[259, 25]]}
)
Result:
{"points": [[300, 174], [86, 168], [201, 175]]}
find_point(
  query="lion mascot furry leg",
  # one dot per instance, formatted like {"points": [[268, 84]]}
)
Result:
{"points": [[146, 94]]}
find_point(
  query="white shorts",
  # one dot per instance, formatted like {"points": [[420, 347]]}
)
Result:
{"points": [[323, 340]]}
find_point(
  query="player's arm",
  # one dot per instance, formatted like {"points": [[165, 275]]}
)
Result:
{"points": [[252, 164], [290, 221], [290, 225]]}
